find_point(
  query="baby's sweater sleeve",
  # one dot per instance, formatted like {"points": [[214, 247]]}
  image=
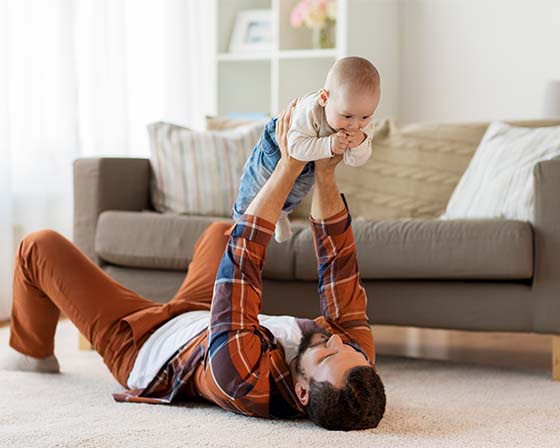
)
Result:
{"points": [[303, 141], [360, 154]]}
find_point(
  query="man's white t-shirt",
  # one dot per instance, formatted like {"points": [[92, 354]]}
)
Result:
{"points": [[168, 338]]}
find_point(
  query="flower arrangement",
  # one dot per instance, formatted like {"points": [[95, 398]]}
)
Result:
{"points": [[320, 16]]}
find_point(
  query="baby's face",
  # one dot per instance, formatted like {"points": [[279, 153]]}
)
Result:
{"points": [[350, 110]]}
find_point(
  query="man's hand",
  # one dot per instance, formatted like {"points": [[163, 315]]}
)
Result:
{"points": [[327, 165], [339, 142], [281, 134], [355, 138], [268, 202]]}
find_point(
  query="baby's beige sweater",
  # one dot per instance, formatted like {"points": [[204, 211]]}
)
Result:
{"points": [[309, 136]]}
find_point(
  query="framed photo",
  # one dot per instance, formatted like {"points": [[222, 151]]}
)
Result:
{"points": [[252, 31]]}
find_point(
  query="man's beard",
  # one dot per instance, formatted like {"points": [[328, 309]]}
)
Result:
{"points": [[306, 339]]}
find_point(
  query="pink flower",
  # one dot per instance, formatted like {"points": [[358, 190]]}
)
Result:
{"points": [[298, 13], [313, 13]]}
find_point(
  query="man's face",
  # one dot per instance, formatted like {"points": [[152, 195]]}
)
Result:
{"points": [[324, 357]]}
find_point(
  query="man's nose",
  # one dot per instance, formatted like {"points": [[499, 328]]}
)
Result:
{"points": [[334, 341]]}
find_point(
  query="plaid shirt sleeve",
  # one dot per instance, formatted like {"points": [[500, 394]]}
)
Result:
{"points": [[237, 362], [343, 298]]}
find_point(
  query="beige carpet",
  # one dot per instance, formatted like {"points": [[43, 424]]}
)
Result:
{"points": [[430, 404]]}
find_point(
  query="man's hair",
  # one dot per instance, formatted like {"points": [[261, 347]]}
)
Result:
{"points": [[358, 405], [354, 72]]}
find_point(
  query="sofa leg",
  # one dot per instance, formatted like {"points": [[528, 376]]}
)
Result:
{"points": [[84, 344], [555, 358]]}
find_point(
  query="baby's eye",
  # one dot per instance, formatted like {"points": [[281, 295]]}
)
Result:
{"points": [[347, 116]]}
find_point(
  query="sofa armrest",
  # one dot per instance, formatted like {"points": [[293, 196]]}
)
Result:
{"points": [[106, 183], [546, 280]]}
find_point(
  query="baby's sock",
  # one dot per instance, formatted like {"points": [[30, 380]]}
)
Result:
{"points": [[15, 360], [283, 229]]}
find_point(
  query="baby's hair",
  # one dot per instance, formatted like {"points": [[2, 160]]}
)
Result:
{"points": [[353, 72]]}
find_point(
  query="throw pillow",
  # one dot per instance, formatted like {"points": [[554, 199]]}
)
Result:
{"points": [[221, 123], [412, 171], [498, 182], [197, 172]]}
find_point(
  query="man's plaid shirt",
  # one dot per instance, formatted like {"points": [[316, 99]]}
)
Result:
{"points": [[237, 363]]}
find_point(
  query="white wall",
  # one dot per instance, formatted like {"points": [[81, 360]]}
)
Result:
{"points": [[465, 60], [373, 29]]}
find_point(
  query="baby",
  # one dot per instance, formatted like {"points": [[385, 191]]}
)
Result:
{"points": [[334, 120]]}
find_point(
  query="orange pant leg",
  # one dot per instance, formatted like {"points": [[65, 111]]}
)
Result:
{"points": [[52, 275], [196, 291]]}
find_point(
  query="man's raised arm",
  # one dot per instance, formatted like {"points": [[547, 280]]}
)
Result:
{"points": [[343, 298], [237, 364]]}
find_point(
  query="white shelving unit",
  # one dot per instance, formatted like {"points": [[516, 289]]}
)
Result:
{"points": [[263, 82]]}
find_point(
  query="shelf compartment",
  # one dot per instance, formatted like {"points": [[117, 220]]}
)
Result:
{"points": [[227, 13]]}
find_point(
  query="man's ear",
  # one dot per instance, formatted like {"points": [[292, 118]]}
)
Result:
{"points": [[302, 392], [323, 96]]}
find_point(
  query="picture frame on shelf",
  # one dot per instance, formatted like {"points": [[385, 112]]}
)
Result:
{"points": [[252, 31]]}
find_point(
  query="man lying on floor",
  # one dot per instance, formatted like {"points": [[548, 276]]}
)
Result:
{"points": [[210, 342]]}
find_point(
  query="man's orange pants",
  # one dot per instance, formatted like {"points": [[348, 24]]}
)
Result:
{"points": [[52, 275]]}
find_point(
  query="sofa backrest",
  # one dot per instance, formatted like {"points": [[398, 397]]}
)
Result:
{"points": [[413, 170]]}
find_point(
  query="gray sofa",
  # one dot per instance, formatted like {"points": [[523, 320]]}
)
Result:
{"points": [[479, 275]]}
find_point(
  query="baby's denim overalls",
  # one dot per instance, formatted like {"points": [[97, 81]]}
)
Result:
{"points": [[259, 167]]}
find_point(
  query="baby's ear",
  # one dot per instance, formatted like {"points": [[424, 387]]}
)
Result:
{"points": [[323, 97]]}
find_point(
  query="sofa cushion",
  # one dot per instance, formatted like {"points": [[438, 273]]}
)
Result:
{"points": [[154, 240], [433, 249], [148, 239], [223, 122], [397, 249]]}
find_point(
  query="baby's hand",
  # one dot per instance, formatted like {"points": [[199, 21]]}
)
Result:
{"points": [[339, 142], [355, 138]]}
